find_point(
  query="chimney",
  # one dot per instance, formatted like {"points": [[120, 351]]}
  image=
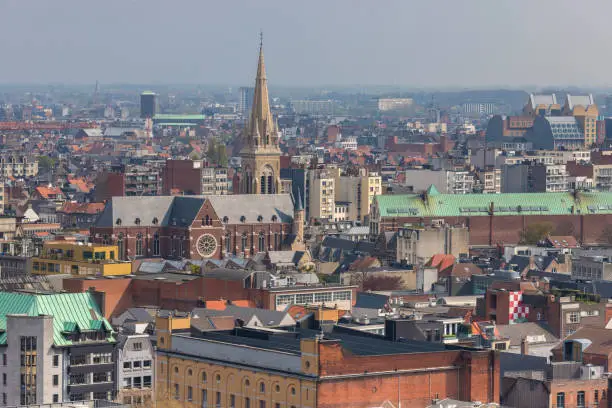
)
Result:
{"points": [[524, 346]]}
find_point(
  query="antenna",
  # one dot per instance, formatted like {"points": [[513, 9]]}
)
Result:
{"points": [[260, 39]]}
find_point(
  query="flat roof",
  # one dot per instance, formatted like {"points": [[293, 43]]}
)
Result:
{"points": [[288, 341]]}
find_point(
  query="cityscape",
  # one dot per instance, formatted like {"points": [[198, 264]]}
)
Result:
{"points": [[308, 214]]}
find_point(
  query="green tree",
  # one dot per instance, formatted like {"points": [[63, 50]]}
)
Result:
{"points": [[222, 155], [46, 163], [536, 232]]}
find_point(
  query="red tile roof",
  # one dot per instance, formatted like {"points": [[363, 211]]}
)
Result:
{"points": [[82, 208]]}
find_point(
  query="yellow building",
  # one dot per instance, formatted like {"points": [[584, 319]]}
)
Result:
{"points": [[79, 259], [199, 372], [584, 109], [322, 194]]}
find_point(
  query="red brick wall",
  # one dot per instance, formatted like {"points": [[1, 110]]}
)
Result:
{"points": [[571, 388], [109, 185], [117, 293], [180, 174], [469, 376]]}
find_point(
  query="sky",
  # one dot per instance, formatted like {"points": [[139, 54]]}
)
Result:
{"points": [[413, 43]]}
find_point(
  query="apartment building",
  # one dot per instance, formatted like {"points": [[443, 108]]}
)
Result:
{"points": [[55, 348], [445, 181], [135, 376], [417, 245], [194, 177], [62, 257], [359, 191], [534, 177], [142, 181], [18, 166], [322, 195]]}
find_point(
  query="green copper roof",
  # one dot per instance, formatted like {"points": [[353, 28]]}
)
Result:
{"points": [[434, 204], [177, 118], [71, 312]]}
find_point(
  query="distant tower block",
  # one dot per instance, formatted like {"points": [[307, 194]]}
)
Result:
{"points": [[148, 127], [148, 104]]}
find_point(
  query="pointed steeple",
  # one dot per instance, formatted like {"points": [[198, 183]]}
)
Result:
{"points": [[261, 120], [299, 206]]}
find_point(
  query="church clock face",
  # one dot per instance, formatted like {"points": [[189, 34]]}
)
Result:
{"points": [[206, 245]]}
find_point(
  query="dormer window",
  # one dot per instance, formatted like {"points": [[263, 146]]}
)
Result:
{"points": [[274, 218], [225, 219], [243, 219], [118, 222], [155, 221], [137, 221], [260, 218]]}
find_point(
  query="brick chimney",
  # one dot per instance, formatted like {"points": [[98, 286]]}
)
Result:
{"points": [[524, 346]]}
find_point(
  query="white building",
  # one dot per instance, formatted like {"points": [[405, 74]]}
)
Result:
{"points": [[135, 369]]}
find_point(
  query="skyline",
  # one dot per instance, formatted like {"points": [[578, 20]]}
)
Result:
{"points": [[338, 44]]}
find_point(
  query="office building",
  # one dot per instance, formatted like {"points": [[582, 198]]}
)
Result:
{"points": [[478, 108], [65, 257], [391, 104], [416, 245], [55, 348], [313, 107], [148, 104]]}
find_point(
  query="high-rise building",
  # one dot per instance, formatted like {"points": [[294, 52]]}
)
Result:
{"points": [[246, 100], [260, 153], [148, 104]]}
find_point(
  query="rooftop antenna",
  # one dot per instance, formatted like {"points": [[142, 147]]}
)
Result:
{"points": [[260, 39]]}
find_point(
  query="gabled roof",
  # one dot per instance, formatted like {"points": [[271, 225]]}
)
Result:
{"points": [[70, 311], [128, 209], [583, 100], [252, 206], [547, 100]]}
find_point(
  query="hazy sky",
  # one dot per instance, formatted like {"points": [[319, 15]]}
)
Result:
{"points": [[421, 43]]}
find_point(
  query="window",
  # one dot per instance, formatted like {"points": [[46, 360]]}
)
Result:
{"points": [[573, 317], [218, 378], [232, 402], [121, 246], [175, 370], [292, 390], [262, 387], [176, 391], [500, 346], [580, 400], [4, 359], [228, 243], [203, 376], [55, 361], [137, 364], [243, 243], [189, 372], [127, 382], [146, 381], [137, 382], [217, 399], [139, 251], [277, 405], [596, 397], [323, 297], [262, 404], [204, 398], [146, 363], [138, 346], [560, 400], [55, 379], [127, 364], [103, 377], [247, 402], [189, 393], [156, 244], [262, 242], [55, 398]]}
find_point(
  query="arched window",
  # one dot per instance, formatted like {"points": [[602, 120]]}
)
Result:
{"points": [[274, 218], [174, 245], [270, 185], [121, 245], [228, 243], [276, 246], [155, 221], [139, 244], [242, 218], [243, 243], [262, 387], [204, 376], [156, 244], [262, 242], [180, 246], [259, 218], [207, 221]]}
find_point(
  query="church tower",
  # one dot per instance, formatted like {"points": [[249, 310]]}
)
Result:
{"points": [[260, 152], [298, 243]]}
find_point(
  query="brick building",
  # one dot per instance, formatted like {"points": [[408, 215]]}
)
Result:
{"points": [[255, 368], [499, 218], [184, 292], [200, 227], [194, 177]]}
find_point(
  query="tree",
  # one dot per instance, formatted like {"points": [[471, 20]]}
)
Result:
{"points": [[211, 153], [536, 232], [46, 163], [222, 155]]}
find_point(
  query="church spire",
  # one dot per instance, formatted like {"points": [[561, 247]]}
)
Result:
{"points": [[261, 120]]}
